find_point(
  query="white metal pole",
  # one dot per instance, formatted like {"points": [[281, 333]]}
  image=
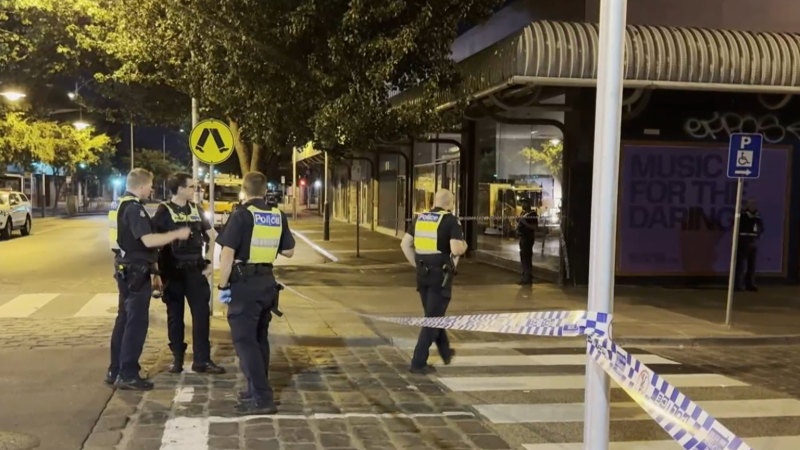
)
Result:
{"points": [[195, 161], [734, 249], [604, 207], [326, 220]]}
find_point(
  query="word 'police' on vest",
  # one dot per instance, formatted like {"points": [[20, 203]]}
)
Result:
{"points": [[267, 219]]}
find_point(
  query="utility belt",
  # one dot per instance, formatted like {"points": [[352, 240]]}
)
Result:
{"points": [[241, 271], [195, 264], [134, 274], [446, 265]]}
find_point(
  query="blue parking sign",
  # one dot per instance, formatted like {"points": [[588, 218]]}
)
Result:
{"points": [[744, 155]]}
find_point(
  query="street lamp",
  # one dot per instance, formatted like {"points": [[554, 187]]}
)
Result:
{"points": [[13, 96], [81, 125]]}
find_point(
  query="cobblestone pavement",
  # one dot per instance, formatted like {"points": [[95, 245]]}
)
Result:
{"points": [[355, 398], [84, 332], [771, 366]]}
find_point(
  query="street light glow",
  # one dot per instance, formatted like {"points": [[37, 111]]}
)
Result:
{"points": [[71, 95], [555, 141], [80, 125], [13, 96], [318, 184]]}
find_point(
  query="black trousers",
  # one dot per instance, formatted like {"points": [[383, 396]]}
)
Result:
{"points": [[249, 316], [192, 285], [746, 264], [526, 257], [130, 327], [435, 300]]}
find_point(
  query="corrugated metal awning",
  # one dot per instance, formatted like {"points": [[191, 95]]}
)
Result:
{"points": [[550, 53]]}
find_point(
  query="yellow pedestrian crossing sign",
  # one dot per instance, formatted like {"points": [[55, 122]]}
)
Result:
{"points": [[211, 141]]}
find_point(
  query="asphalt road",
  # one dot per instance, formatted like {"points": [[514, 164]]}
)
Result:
{"points": [[52, 368]]}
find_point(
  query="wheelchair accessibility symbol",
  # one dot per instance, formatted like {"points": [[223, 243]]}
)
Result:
{"points": [[744, 158]]}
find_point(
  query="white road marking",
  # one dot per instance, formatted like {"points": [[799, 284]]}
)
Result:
{"points": [[26, 304], [184, 394], [573, 412], [327, 416], [185, 433], [101, 305], [544, 382]]}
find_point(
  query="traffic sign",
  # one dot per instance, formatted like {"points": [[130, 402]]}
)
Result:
{"points": [[211, 141], [744, 155]]}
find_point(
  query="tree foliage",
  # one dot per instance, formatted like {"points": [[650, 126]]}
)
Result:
{"points": [[550, 155], [161, 165]]}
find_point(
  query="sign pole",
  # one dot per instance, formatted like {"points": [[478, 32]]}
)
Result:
{"points": [[294, 183], [213, 240], [326, 224], [358, 220], [195, 161], [605, 180], [734, 249]]}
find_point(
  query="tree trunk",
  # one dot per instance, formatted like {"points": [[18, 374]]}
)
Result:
{"points": [[243, 150], [258, 152]]}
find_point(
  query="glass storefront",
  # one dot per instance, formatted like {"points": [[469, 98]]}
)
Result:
{"points": [[517, 162]]}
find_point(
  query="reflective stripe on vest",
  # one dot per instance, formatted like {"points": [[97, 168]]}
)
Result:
{"points": [[425, 232], [113, 221], [266, 237]]}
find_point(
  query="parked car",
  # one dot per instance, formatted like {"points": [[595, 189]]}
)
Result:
{"points": [[15, 213]]}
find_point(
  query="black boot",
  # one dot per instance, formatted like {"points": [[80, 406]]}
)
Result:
{"points": [[177, 358]]}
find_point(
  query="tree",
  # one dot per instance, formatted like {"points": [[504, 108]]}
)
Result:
{"points": [[160, 165], [550, 154]]}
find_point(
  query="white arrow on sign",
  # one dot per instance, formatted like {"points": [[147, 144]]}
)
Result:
{"points": [[743, 172]]}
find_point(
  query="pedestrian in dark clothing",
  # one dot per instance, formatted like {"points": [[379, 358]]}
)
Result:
{"points": [[527, 226], [751, 227]]}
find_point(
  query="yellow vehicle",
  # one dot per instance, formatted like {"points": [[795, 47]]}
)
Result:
{"points": [[501, 203], [227, 194]]}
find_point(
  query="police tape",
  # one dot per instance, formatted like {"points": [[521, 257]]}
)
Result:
{"points": [[482, 218], [685, 421]]}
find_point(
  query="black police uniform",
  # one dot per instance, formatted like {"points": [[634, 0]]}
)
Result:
{"points": [[134, 265], [526, 228], [182, 264], [750, 229], [253, 295], [435, 297]]}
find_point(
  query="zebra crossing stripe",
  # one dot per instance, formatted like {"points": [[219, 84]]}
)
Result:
{"points": [[26, 304], [101, 305]]}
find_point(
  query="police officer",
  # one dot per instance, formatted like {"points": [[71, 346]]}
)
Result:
{"points": [[135, 245], [253, 238], [751, 227], [184, 270], [430, 243], [527, 226]]}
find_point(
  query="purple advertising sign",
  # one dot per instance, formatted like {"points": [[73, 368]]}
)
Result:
{"points": [[676, 210]]}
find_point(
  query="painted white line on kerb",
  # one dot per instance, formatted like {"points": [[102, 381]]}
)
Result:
{"points": [[185, 433], [316, 247], [767, 442]]}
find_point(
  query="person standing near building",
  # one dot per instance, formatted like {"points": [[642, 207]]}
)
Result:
{"points": [[430, 244], [184, 269], [253, 238], [751, 227], [135, 246], [527, 225]]}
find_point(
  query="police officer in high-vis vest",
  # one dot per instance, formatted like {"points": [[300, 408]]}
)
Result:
{"points": [[253, 238], [184, 269], [135, 245], [430, 244]]}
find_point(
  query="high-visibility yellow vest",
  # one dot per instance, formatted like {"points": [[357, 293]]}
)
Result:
{"points": [[193, 247], [425, 232], [113, 222], [266, 237]]}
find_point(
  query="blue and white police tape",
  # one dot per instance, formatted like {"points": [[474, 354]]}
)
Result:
{"points": [[681, 418]]}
